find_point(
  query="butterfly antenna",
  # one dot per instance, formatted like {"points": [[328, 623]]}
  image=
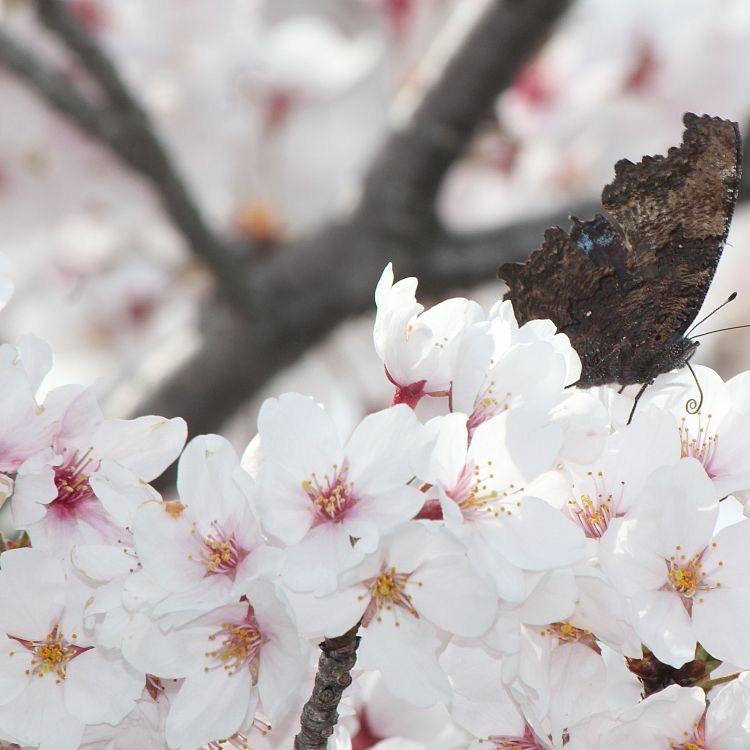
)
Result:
{"points": [[691, 405], [719, 330], [729, 299]]}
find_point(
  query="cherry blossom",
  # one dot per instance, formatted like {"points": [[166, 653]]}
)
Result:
{"points": [[200, 547], [379, 717], [419, 586], [317, 493], [684, 584], [143, 728], [27, 428], [500, 365], [716, 434], [85, 487], [234, 659], [55, 681], [511, 563], [484, 498], [418, 348], [677, 717], [595, 494]]}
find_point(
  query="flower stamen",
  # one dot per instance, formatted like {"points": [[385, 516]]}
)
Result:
{"points": [[594, 509], [72, 483], [240, 646], [221, 553], [472, 494], [333, 496], [699, 443], [51, 655], [387, 590]]}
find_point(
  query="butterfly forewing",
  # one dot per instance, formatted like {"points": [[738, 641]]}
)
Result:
{"points": [[626, 286]]}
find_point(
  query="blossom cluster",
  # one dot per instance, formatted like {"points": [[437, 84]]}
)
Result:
{"points": [[528, 567]]}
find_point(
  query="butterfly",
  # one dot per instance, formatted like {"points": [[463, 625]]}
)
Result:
{"points": [[625, 286]]}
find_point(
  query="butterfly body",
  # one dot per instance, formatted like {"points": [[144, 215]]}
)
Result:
{"points": [[625, 286]]}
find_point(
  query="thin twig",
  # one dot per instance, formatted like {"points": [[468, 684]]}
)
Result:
{"points": [[120, 123], [51, 86], [320, 714]]}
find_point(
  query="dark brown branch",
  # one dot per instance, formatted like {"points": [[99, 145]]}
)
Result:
{"points": [[121, 124], [319, 714]]}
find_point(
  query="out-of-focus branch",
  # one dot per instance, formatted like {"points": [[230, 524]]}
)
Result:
{"points": [[56, 16], [282, 305], [118, 122], [232, 364], [305, 289], [400, 188]]}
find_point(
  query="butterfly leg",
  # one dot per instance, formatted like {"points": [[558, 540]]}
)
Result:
{"points": [[638, 398]]}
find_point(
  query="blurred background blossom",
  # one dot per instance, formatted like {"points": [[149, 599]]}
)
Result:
{"points": [[273, 111]]}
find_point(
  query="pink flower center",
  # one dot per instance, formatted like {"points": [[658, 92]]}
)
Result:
{"points": [[410, 395], [474, 497], [239, 646], [595, 508], [333, 496], [566, 632], [693, 741], [72, 483], [700, 442], [487, 404], [51, 655], [527, 741], [386, 592], [221, 553]]}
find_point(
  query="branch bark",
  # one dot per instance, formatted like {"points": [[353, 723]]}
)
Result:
{"points": [[319, 714]]}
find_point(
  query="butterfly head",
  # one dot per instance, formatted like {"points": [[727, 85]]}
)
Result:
{"points": [[677, 353]]}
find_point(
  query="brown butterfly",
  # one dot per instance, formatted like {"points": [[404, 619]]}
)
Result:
{"points": [[625, 287]]}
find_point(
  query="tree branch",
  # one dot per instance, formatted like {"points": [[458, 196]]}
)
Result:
{"points": [[319, 714], [211, 386]]}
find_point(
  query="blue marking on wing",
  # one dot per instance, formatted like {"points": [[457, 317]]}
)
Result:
{"points": [[585, 243], [588, 244]]}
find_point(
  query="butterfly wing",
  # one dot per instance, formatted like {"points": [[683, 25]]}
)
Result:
{"points": [[675, 213], [624, 287]]}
